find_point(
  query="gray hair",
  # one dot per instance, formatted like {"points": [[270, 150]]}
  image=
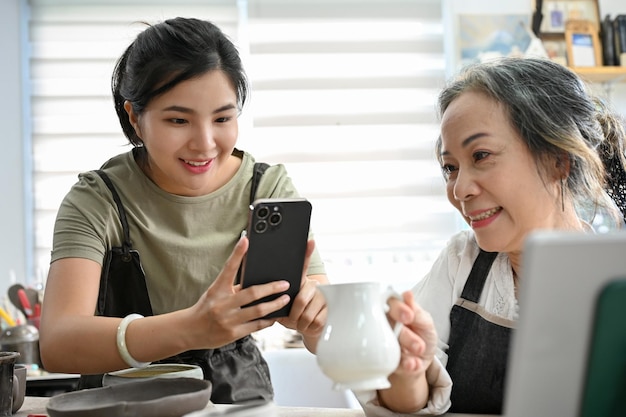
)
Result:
{"points": [[557, 117]]}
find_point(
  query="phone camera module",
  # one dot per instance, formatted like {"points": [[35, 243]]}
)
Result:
{"points": [[263, 212], [275, 219], [260, 226]]}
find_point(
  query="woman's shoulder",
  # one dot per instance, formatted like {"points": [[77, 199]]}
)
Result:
{"points": [[120, 167], [90, 183], [452, 261], [90, 193], [463, 245], [275, 181], [249, 161], [90, 196], [462, 250]]}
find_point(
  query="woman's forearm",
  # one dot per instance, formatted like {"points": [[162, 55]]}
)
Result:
{"points": [[88, 345], [408, 394]]}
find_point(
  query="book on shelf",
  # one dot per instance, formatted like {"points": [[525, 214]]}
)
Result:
{"points": [[619, 36], [607, 37]]}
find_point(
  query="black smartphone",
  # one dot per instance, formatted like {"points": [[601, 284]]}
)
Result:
{"points": [[278, 231]]}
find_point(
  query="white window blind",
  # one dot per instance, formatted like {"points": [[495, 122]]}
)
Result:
{"points": [[343, 93]]}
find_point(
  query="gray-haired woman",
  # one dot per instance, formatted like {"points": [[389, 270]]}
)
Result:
{"points": [[523, 146]]}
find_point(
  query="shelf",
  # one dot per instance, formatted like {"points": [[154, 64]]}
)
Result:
{"points": [[604, 74]]}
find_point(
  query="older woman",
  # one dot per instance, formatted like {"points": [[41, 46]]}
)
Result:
{"points": [[523, 146]]}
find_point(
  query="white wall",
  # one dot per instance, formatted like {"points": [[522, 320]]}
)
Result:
{"points": [[14, 200]]}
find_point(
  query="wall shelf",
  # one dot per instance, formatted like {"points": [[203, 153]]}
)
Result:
{"points": [[580, 17], [604, 75]]}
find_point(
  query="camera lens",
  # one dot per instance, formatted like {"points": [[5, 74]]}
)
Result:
{"points": [[260, 226], [263, 212], [275, 219]]}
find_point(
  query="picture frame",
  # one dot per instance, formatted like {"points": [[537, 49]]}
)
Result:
{"points": [[556, 50], [556, 14], [486, 36], [455, 35], [583, 44]]}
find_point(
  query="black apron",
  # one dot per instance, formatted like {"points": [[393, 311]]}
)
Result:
{"points": [[237, 371], [478, 347]]}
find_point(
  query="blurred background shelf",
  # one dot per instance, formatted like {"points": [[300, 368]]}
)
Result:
{"points": [[604, 74]]}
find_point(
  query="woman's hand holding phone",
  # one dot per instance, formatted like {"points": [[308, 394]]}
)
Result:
{"points": [[229, 312], [308, 312], [223, 313]]}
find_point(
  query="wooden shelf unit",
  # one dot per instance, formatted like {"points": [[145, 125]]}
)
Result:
{"points": [[603, 74], [606, 75]]}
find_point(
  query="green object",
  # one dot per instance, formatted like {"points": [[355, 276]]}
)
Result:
{"points": [[604, 392]]}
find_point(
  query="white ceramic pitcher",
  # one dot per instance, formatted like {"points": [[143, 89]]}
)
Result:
{"points": [[358, 349]]}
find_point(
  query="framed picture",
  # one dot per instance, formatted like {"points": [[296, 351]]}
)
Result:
{"points": [[556, 50], [557, 13], [468, 24], [583, 44], [487, 36]]}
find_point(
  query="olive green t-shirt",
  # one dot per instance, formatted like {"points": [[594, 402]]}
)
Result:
{"points": [[183, 242]]}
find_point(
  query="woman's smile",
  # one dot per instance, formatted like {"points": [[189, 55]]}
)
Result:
{"points": [[197, 167], [484, 218]]}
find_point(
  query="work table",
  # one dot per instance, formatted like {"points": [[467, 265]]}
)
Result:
{"points": [[37, 406]]}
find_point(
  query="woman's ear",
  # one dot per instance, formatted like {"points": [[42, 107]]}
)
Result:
{"points": [[562, 166], [132, 117]]}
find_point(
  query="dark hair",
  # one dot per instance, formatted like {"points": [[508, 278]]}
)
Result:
{"points": [[167, 53], [557, 116]]}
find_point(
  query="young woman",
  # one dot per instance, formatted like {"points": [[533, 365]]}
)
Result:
{"points": [[178, 90], [523, 146]]}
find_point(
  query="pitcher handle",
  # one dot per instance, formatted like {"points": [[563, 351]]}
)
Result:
{"points": [[386, 295]]}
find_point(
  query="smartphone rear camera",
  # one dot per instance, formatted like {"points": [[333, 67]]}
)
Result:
{"points": [[275, 219], [260, 226], [263, 212]]}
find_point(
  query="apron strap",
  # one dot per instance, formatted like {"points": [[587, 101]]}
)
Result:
{"points": [[477, 277], [120, 208], [257, 173]]}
